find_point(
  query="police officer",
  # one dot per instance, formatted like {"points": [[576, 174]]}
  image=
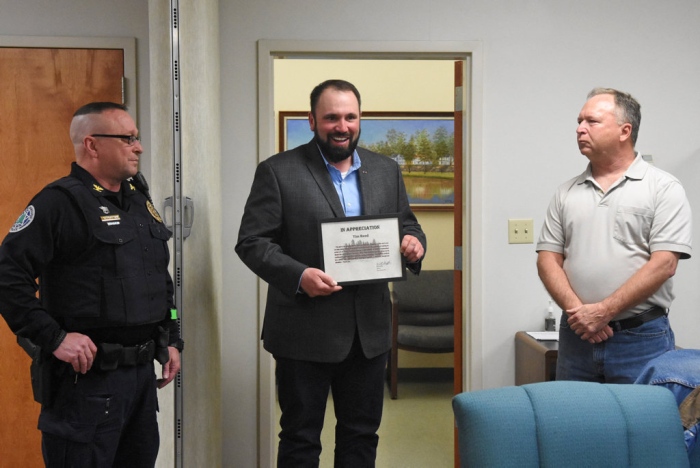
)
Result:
{"points": [[105, 308]]}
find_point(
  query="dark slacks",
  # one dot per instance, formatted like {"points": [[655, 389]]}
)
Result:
{"points": [[357, 386], [103, 419]]}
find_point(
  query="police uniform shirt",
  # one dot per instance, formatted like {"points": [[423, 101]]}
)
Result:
{"points": [[53, 230]]}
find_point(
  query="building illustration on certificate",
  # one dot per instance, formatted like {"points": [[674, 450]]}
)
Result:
{"points": [[361, 250]]}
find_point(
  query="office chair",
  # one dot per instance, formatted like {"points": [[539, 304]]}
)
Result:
{"points": [[422, 317]]}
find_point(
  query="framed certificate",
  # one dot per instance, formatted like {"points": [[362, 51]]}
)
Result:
{"points": [[362, 249]]}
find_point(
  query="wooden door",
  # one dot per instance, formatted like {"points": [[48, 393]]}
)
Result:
{"points": [[40, 88]]}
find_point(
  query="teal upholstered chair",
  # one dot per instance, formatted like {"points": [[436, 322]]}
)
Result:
{"points": [[570, 424]]}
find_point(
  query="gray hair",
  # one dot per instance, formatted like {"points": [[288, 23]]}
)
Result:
{"points": [[627, 109]]}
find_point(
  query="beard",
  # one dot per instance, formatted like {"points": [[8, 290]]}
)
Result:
{"points": [[334, 154]]}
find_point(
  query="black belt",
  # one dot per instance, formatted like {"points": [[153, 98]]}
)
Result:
{"points": [[111, 356], [632, 322]]}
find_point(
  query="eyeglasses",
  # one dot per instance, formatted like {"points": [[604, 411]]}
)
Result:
{"points": [[128, 139]]}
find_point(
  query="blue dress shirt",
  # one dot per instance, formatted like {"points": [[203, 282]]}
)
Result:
{"points": [[348, 187]]}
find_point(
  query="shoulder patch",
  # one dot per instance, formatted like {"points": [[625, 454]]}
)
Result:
{"points": [[153, 211], [24, 220]]}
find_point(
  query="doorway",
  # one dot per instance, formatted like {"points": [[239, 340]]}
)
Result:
{"points": [[382, 54]]}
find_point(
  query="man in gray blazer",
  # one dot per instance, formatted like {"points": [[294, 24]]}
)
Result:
{"points": [[323, 336]]}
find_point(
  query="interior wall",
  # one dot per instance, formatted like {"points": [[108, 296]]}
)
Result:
{"points": [[161, 180], [416, 85], [202, 251], [541, 57], [200, 136]]}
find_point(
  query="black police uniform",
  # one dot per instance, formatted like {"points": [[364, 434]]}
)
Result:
{"points": [[102, 262]]}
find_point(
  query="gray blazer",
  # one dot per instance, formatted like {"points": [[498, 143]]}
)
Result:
{"points": [[278, 239]]}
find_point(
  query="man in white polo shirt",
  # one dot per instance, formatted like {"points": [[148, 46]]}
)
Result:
{"points": [[609, 246]]}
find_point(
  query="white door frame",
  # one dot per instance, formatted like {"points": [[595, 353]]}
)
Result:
{"points": [[471, 53]]}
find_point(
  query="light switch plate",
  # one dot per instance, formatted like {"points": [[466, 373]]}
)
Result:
{"points": [[520, 231]]}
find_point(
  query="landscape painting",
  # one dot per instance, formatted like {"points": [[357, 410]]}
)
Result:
{"points": [[422, 143]]}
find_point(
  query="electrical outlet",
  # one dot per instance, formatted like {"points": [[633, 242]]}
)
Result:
{"points": [[520, 231]]}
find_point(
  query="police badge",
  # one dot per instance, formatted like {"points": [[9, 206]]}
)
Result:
{"points": [[153, 211]]}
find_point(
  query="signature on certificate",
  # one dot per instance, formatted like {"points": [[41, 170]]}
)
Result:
{"points": [[383, 265]]}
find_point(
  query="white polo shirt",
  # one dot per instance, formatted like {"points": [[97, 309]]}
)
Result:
{"points": [[607, 237]]}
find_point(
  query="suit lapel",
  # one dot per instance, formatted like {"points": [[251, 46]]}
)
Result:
{"points": [[318, 170], [367, 180]]}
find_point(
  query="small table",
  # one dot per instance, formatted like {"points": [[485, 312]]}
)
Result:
{"points": [[535, 361]]}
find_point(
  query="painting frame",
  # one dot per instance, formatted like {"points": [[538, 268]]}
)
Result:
{"points": [[293, 130]]}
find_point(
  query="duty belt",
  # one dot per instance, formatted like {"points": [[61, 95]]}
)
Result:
{"points": [[111, 355], [632, 322]]}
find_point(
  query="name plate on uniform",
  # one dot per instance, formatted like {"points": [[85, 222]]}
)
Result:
{"points": [[362, 249]]}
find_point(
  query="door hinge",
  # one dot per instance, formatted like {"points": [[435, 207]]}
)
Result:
{"points": [[123, 90]]}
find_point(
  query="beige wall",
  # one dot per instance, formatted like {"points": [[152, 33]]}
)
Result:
{"points": [[201, 256], [416, 85]]}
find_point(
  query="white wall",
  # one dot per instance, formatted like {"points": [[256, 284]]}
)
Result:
{"points": [[540, 60]]}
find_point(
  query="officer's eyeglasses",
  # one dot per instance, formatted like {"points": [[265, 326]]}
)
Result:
{"points": [[128, 139]]}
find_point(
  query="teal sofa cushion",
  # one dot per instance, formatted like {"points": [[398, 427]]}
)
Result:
{"points": [[570, 424]]}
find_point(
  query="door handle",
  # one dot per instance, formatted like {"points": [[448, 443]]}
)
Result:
{"points": [[187, 215]]}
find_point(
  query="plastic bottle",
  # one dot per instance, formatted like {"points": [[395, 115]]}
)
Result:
{"points": [[550, 322]]}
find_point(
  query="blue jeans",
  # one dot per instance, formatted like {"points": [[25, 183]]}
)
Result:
{"points": [[619, 359], [679, 371]]}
